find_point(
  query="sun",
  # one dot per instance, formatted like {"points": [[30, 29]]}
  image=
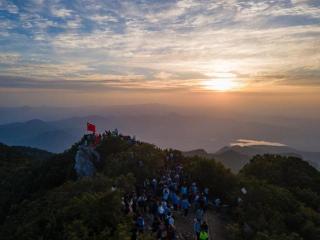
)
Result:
{"points": [[222, 84], [222, 77]]}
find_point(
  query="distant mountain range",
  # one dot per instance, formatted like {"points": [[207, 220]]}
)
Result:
{"points": [[39, 134], [164, 126], [235, 157]]}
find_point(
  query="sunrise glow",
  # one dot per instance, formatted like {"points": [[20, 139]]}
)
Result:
{"points": [[122, 51], [221, 85]]}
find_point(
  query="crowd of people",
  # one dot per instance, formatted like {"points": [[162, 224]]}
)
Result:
{"points": [[94, 139], [155, 204], [157, 201], [87, 158]]}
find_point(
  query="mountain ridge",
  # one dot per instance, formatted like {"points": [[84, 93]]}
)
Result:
{"points": [[48, 194], [236, 157], [170, 130]]}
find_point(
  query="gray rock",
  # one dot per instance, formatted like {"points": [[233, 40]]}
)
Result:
{"points": [[84, 159]]}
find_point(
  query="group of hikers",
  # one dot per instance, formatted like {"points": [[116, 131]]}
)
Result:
{"points": [[155, 203], [94, 139], [87, 158]]}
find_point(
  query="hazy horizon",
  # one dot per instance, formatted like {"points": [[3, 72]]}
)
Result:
{"points": [[184, 128]]}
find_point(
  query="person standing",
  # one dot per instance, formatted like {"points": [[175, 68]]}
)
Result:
{"points": [[199, 214], [175, 201], [185, 205], [184, 190], [196, 228], [140, 224], [165, 193]]}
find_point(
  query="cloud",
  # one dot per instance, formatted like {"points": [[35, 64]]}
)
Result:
{"points": [[8, 7], [103, 18], [9, 58], [174, 44], [103, 83], [302, 76], [20, 82], [75, 23], [61, 12], [164, 75], [49, 70], [96, 85]]}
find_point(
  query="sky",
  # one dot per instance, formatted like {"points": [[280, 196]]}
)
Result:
{"points": [[73, 52]]}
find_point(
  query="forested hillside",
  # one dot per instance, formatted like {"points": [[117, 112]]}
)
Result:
{"points": [[19, 172], [42, 197], [282, 201]]}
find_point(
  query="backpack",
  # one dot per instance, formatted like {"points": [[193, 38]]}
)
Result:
{"points": [[203, 235]]}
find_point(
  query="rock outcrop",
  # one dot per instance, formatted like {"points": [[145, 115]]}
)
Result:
{"points": [[85, 158]]}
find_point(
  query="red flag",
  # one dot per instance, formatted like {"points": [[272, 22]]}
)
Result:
{"points": [[91, 127]]}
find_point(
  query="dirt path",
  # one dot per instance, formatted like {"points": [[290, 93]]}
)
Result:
{"points": [[185, 226], [216, 226]]}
